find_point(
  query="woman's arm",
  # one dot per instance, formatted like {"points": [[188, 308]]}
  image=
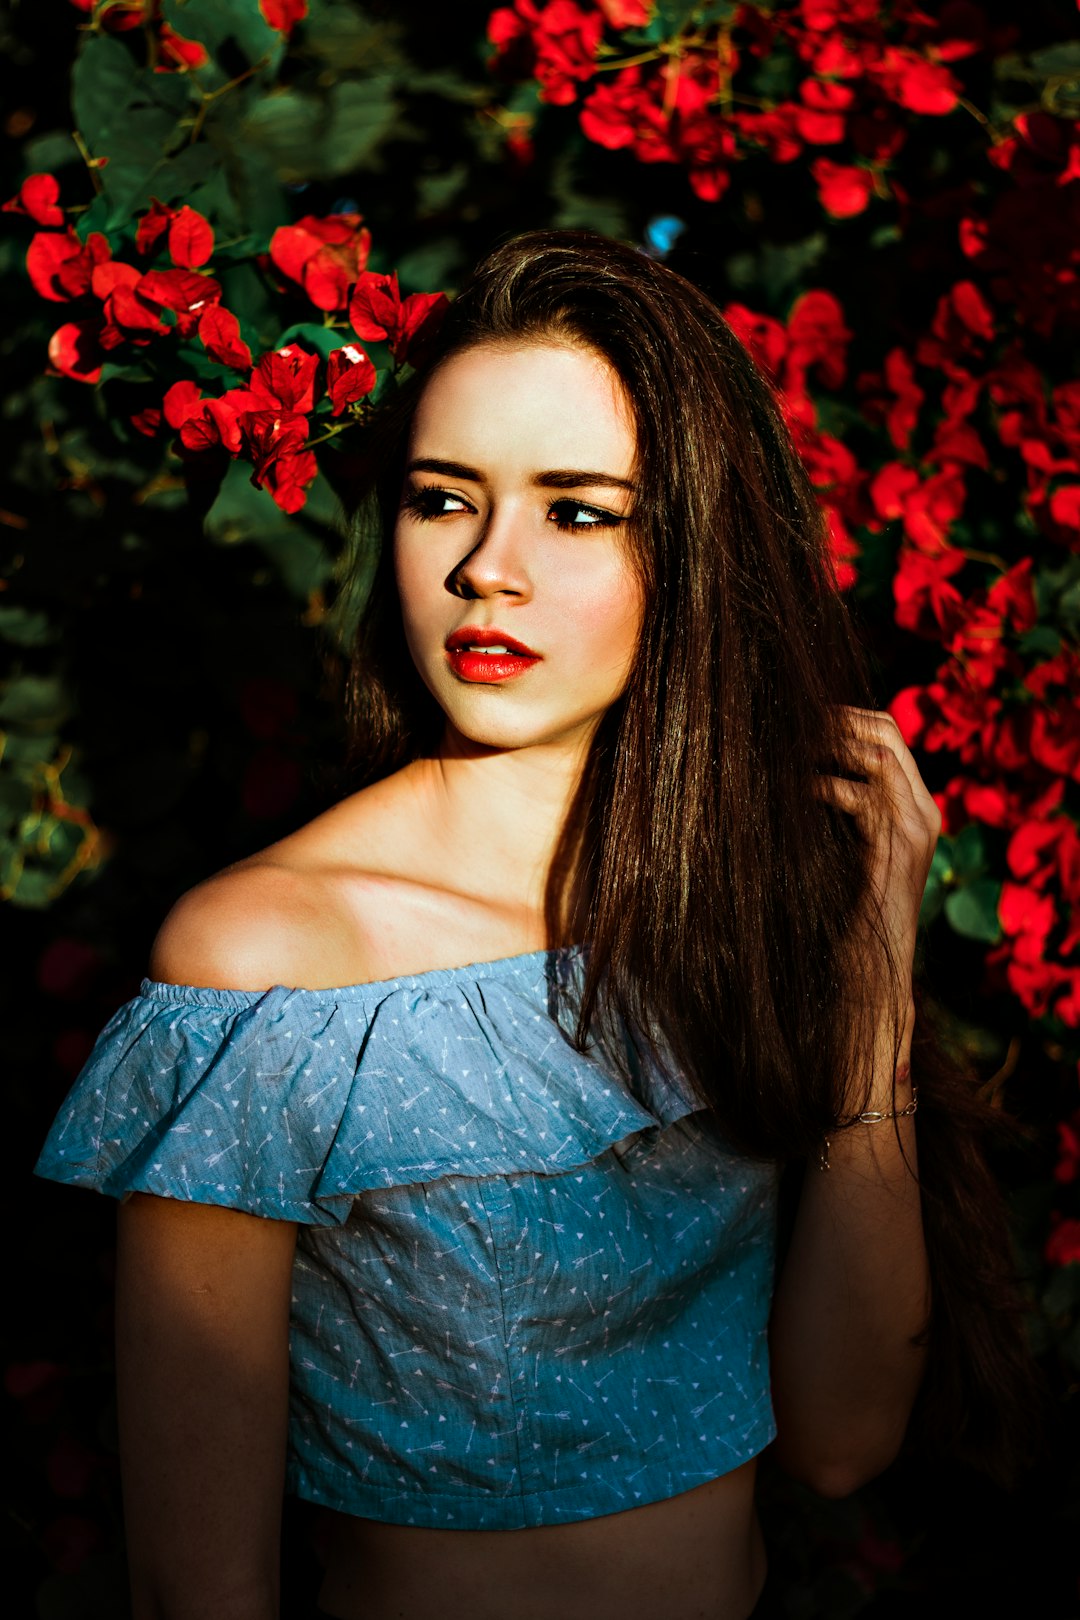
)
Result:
{"points": [[202, 1358], [854, 1292], [853, 1295]]}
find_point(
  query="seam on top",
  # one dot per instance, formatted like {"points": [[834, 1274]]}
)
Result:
{"points": [[226, 1000], [520, 1416]]}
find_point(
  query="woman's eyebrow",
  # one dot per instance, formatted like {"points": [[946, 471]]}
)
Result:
{"points": [[450, 469], [575, 478], [558, 478]]}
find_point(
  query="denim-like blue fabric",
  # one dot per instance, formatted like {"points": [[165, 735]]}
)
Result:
{"points": [[525, 1290]]}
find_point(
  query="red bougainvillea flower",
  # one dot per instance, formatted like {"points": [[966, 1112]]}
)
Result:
{"points": [[153, 224], [38, 197], [776, 130], [283, 14], [60, 266], [1063, 1244], [128, 316], [326, 256], [409, 325], [176, 52], [997, 802], [843, 189], [555, 44], [1067, 1167], [903, 414], [219, 332], [664, 115], [75, 350], [187, 293], [962, 326], [285, 378], [765, 337], [819, 119], [271, 434], [350, 376], [147, 422], [191, 239], [818, 338], [915, 82], [628, 111], [288, 479], [626, 13], [267, 422], [1045, 852], [926, 603]]}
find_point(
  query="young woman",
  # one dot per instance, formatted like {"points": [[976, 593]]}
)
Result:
{"points": [[447, 1129]]}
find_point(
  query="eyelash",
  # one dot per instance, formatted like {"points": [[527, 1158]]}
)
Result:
{"points": [[423, 503]]}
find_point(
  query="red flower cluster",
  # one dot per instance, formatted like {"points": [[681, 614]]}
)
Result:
{"points": [[1011, 719], [267, 418], [171, 52], [664, 115], [555, 44], [813, 343], [862, 71]]}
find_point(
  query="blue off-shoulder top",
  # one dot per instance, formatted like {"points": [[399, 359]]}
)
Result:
{"points": [[525, 1291]]}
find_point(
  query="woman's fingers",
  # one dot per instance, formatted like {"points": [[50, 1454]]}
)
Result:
{"points": [[876, 738]]}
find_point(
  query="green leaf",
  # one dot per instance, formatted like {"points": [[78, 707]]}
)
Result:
{"points": [[1058, 61], [26, 628], [32, 701], [286, 127], [969, 857], [932, 900], [103, 83], [437, 264], [972, 910], [30, 751], [16, 796], [140, 168], [1061, 1297], [215, 23], [1043, 641], [362, 113], [47, 153], [323, 339], [34, 888], [133, 373], [95, 217], [345, 38]]}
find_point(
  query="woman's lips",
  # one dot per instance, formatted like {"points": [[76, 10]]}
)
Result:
{"points": [[487, 654]]}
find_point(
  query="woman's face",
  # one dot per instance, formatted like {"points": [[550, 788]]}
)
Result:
{"points": [[520, 604]]}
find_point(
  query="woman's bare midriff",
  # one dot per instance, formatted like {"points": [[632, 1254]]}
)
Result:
{"points": [[695, 1556]]}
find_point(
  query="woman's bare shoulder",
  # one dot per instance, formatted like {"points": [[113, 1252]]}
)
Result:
{"points": [[295, 913]]}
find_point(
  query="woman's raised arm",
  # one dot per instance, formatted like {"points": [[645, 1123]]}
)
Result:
{"points": [[852, 1302], [202, 1359]]}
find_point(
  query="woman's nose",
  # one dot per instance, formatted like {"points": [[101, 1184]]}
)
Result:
{"points": [[496, 565]]}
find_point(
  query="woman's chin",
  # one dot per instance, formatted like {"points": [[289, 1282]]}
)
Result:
{"points": [[476, 735]]}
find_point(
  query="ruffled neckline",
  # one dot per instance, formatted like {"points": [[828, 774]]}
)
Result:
{"points": [[549, 960]]}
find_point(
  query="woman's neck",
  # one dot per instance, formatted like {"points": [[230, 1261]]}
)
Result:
{"points": [[502, 822]]}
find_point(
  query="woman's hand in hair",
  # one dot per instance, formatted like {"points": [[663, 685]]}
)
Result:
{"points": [[898, 819]]}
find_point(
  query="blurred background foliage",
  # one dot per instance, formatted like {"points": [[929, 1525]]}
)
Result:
{"points": [[171, 649]]}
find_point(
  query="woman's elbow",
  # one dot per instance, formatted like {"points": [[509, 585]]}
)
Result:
{"points": [[838, 1476]]}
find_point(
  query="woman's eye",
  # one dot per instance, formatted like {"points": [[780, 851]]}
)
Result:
{"points": [[432, 503], [573, 515]]}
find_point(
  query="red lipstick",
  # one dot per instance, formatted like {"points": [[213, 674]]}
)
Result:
{"points": [[487, 654]]}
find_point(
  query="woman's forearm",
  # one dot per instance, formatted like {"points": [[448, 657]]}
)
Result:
{"points": [[853, 1294]]}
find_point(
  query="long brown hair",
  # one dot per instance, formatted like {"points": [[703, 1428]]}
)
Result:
{"points": [[719, 889]]}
